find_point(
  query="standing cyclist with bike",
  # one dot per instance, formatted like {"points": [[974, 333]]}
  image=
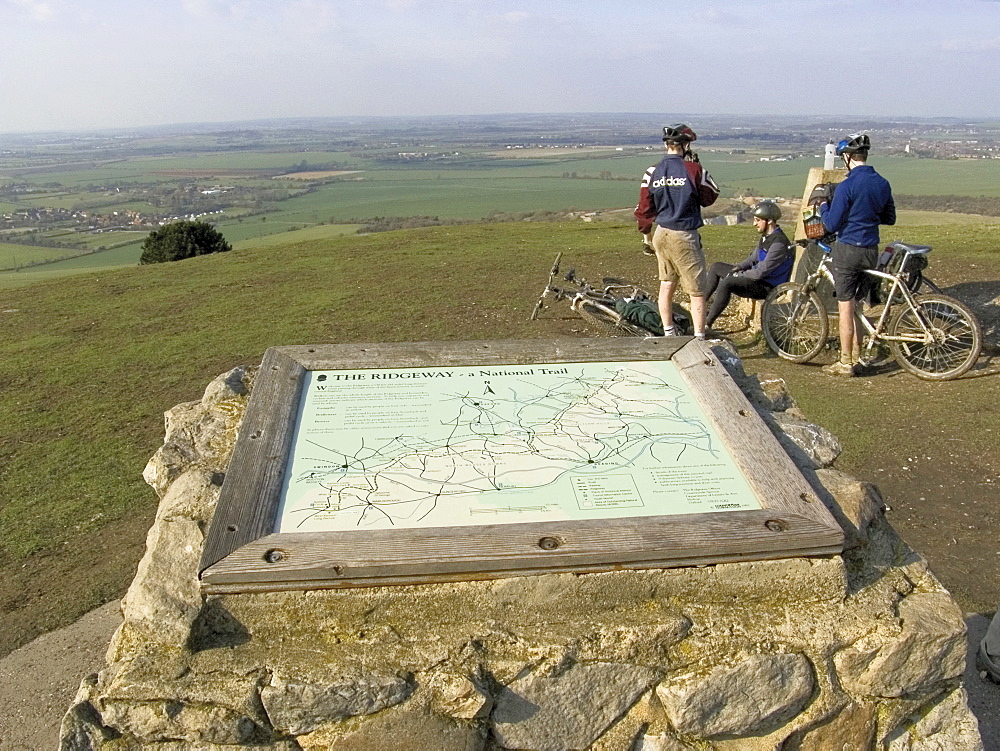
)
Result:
{"points": [[860, 204], [670, 202]]}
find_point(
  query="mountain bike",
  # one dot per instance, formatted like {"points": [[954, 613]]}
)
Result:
{"points": [[932, 336], [618, 307]]}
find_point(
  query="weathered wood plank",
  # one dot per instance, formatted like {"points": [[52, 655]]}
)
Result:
{"points": [[280, 585], [770, 472], [491, 550], [250, 494], [504, 352]]}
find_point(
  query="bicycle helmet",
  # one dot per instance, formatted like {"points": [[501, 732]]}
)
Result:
{"points": [[854, 143], [678, 133], [769, 211]]}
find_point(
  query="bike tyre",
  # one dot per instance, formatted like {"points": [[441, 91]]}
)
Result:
{"points": [[937, 361], [609, 321], [794, 322], [923, 282]]}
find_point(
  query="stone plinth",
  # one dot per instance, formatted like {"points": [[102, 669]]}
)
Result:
{"points": [[860, 650]]}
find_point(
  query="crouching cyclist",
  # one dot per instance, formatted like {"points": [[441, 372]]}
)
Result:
{"points": [[767, 266]]}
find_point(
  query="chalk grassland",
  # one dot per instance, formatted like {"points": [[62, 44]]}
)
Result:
{"points": [[925, 227], [309, 234], [89, 364]]}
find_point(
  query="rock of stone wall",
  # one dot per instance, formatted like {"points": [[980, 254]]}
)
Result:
{"points": [[860, 650]]}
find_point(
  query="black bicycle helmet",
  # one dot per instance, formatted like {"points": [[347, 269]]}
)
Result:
{"points": [[854, 143], [769, 211], [678, 133]]}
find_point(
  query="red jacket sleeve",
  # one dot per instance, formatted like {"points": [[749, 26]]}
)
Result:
{"points": [[645, 214], [708, 191]]}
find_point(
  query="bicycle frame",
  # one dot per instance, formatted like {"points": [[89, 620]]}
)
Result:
{"points": [[595, 304], [876, 333], [932, 336]]}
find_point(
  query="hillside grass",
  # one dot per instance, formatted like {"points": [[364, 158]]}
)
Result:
{"points": [[88, 364]]}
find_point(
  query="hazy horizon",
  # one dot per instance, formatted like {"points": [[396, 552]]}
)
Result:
{"points": [[110, 64]]}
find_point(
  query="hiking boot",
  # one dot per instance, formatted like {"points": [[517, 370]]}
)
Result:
{"points": [[839, 369]]}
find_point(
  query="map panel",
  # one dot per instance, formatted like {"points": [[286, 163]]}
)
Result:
{"points": [[473, 445]]}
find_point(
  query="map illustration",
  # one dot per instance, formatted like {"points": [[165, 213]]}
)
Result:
{"points": [[473, 445]]}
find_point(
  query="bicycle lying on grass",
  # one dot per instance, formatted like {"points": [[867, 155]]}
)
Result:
{"points": [[618, 307], [932, 336]]}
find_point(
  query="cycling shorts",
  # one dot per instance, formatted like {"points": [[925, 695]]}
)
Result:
{"points": [[849, 265]]}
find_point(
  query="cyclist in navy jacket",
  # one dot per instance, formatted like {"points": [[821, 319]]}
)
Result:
{"points": [[767, 266], [860, 204], [669, 209]]}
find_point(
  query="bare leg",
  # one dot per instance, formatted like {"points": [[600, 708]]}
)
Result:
{"points": [[859, 334], [665, 302], [698, 314], [847, 330]]}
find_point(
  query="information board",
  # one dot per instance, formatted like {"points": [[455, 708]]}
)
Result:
{"points": [[439, 447], [374, 464]]}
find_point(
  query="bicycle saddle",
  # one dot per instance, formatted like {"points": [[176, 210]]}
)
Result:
{"points": [[910, 248]]}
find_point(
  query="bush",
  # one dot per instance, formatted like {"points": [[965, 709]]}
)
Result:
{"points": [[179, 240]]}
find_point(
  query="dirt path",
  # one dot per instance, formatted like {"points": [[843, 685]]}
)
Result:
{"points": [[39, 680]]}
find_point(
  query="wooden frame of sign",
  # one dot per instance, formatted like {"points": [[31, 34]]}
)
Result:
{"points": [[244, 553]]}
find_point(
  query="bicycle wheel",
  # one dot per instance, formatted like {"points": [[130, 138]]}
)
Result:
{"points": [[952, 345], [608, 320], [794, 322]]}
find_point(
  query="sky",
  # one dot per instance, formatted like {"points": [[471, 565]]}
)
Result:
{"points": [[77, 64]]}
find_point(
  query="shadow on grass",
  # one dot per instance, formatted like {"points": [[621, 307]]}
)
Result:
{"points": [[984, 299]]}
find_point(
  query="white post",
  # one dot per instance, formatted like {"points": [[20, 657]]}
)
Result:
{"points": [[830, 156]]}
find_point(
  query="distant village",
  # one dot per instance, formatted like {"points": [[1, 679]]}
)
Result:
{"points": [[188, 202], [93, 222]]}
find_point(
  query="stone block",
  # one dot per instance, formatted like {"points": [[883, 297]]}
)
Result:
{"points": [[851, 729], [567, 709], [926, 649], [460, 697], [164, 598], [750, 698], [174, 720], [855, 505], [811, 446], [947, 725], [193, 495], [410, 726], [161, 699], [227, 386], [299, 707]]}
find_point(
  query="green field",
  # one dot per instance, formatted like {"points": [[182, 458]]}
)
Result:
{"points": [[474, 186], [12, 255]]}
